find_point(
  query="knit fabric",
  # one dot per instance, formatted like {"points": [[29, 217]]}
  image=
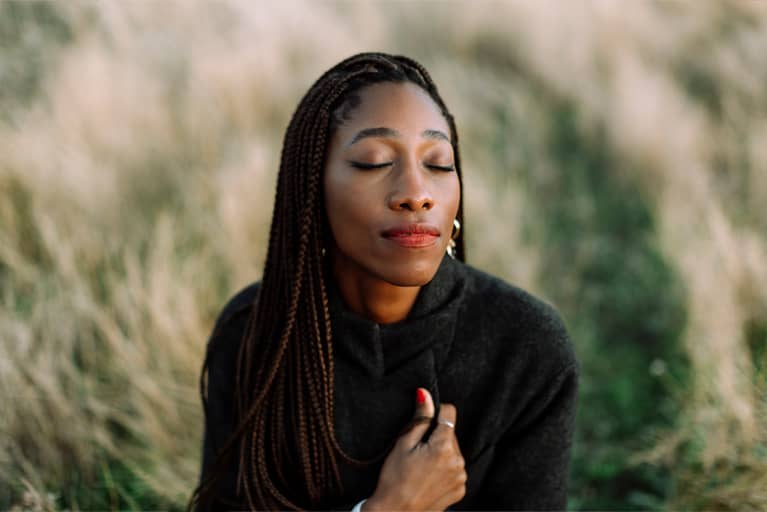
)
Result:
{"points": [[499, 354]]}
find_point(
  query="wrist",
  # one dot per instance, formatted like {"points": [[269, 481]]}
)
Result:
{"points": [[374, 504]]}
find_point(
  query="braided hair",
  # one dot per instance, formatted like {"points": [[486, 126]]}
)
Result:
{"points": [[285, 361]]}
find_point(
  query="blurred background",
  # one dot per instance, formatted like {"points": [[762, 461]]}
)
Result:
{"points": [[622, 145]]}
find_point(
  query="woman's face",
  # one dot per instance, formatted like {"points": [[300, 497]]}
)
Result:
{"points": [[391, 189]]}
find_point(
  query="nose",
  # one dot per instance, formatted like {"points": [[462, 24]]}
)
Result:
{"points": [[410, 190]]}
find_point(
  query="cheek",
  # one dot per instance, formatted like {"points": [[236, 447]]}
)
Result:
{"points": [[450, 196], [349, 203]]}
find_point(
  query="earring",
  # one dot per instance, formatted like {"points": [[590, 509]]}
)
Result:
{"points": [[451, 243]]}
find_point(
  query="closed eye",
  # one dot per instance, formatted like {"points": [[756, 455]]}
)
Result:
{"points": [[446, 168], [363, 165], [366, 166]]}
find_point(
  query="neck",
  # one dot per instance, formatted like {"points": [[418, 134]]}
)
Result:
{"points": [[372, 297]]}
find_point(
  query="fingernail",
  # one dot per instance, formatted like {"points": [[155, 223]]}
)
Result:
{"points": [[420, 395]]}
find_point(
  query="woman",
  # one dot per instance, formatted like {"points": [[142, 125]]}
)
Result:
{"points": [[371, 367]]}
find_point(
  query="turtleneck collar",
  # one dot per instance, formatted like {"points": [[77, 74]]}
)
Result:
{"points": [[380, 350]]}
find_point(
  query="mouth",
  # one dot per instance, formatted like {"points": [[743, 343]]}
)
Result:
{"points": [[412, 235]]}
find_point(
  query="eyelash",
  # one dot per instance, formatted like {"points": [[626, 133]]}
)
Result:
{"points": [[364, 166]]}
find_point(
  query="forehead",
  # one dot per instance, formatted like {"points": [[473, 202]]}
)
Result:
{"points": [[404, 107]]}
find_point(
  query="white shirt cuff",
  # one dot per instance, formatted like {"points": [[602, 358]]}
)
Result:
{"points": [[358, 506]]}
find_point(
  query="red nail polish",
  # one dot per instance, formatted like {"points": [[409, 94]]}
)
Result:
{"points": [[420, 395]]}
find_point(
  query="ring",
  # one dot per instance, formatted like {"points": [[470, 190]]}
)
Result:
{"points": [[447, 422], [421, 419]]}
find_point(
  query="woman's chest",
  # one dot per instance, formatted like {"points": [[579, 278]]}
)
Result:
{"points": [[370, 414]]}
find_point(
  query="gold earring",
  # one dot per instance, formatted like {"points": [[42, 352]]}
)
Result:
{"points": [[451, 243]]}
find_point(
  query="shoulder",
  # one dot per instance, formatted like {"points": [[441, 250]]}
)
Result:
{"points": [[239, 302], [520, 322], [230, 322]]}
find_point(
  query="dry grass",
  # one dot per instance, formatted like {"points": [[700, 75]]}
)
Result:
{"points": [[136, 190]]}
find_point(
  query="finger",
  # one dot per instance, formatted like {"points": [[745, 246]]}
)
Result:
{"points": [[423, 409], [446, 412]]}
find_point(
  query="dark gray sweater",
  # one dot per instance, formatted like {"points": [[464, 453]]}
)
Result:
{"points": [[500, 355]]}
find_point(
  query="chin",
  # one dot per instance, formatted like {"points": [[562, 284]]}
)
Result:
{"points": [[410, 274]]}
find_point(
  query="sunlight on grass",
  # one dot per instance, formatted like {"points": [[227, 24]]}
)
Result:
{"points": [[621, 147]]}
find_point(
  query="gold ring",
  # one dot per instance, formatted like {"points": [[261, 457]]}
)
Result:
{"points": [[421, 419]]}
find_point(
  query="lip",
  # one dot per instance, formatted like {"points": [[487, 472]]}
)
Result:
{"points": [[412, 235]]}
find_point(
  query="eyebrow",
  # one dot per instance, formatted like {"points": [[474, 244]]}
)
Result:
{"points": [[382, 131]]}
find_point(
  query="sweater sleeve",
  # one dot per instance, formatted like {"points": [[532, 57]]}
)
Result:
{"points": [[218, 397], [530, 467]]}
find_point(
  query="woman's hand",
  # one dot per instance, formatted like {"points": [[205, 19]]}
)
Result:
{"points": [[418, 475]]}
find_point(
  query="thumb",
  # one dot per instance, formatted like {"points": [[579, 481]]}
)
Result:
{"points": [[424, 407]]}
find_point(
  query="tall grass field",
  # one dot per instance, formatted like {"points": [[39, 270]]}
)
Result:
{"points": [[620, 146]]}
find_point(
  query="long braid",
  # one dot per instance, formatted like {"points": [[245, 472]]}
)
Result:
{"points": [[285, 364]]}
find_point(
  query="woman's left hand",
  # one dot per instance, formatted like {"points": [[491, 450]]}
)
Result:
{"points": [[419, 475]]}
